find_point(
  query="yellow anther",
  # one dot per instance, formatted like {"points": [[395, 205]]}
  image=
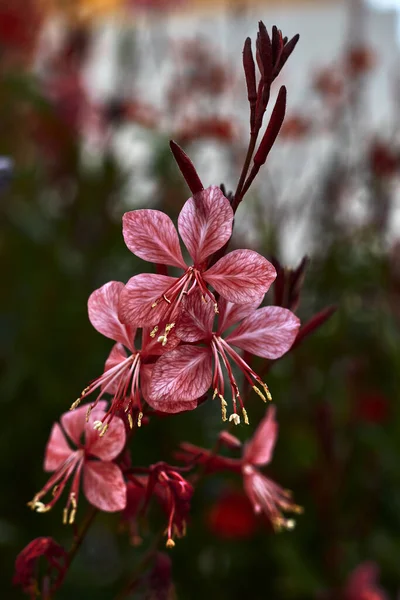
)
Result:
{"points": [[224, 404], [89, 410], [245, 417], [235, 418], [130, 420], [267, 392], [154, 304], [65, 516], [75, 404], [154, 331], [54, 490], [170, 543], [97, 425], [40, 507], [216, 308], [259, 393], [139, 419], [104, 430], [215, 393], [164, 338]]}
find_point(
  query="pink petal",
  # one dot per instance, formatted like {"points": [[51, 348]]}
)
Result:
{"points": [[145, 374], [196, 318], [205, 223], [241, 276], [269, 332], [151, 235], [230, 313], [180, 378], [137, 298], [74, 421], [111, 444], [103, 314], [258, 451], [117, 355], [104, 485], [57, 449]]}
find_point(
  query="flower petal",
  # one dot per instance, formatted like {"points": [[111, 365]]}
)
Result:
{"points": [[180, 378], [103, 314], [104, 485], [205, 223], [269, 332], [139, 294], [151, 235], [57, 449], [258, 451], [196, 318], [74, 421], [241, 276], [230, 313], [116, 356], [111, 444]]}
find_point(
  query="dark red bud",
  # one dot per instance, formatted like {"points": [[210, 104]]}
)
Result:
{"points": [[274, 125], [187, 168], [314, 323]]}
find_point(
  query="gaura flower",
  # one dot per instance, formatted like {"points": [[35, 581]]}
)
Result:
{"points": [[26, 563], [183, 375], [125, 376], [362, 583], [205, 226], [103, 482], [174, 493], [265, 495]]}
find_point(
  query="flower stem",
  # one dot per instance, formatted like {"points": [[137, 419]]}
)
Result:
{"points": [[81, 535], [238, 194]]}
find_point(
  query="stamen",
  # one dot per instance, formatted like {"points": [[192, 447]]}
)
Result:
{"points": [[153, 332], [216, 311], [130, 420], [235, 418], [40, 507], [166, 299], [139, 419], [79, 400], [69, 520], [267, 392], [89, 410], [97, 425], [245, 417], [215, 393], [259, 393], [164, 338], [104, 430], [224, 404], [170, 543]]}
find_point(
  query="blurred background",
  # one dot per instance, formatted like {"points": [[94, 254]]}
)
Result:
{"points": [[91, 91]]}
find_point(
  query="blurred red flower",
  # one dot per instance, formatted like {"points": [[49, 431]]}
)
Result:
{"points": [[26, 566], [232, 516]]}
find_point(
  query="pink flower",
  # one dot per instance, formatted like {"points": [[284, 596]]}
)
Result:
{"points": [[362, 583], [205, 225], [26, 563], [183, 375], [125, 377], [265, 495], [103, 482]]}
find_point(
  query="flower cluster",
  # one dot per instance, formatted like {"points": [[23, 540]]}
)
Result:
{"points": [[182, 334]]}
